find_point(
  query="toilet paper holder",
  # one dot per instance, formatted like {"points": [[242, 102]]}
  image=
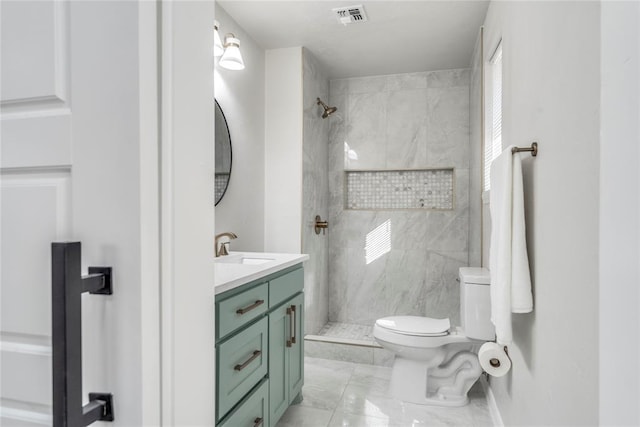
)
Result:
{"points": [[495, 362]]}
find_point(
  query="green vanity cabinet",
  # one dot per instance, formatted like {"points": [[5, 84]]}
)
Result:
{"points": [[241, 308], [286, 368], [253, 411], [260, 356], [242, 363]]}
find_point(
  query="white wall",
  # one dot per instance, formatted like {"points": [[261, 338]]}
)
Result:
{"points": [[241, 97], [551, 54], [148, 77], [188, 344], [283, 150], [620, 215]]}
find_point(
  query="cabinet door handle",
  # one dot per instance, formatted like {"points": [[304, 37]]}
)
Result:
{"points": [[290, 340], [249, 308], [293, 320], [258, 422], [253, 357]]}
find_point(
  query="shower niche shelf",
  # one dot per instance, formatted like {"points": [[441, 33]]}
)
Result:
{"points": [[422, 189]]}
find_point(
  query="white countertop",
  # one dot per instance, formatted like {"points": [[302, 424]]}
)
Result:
{"points": [[230, 275]]}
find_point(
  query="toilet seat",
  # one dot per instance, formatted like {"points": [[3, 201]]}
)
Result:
{"points": [[416, 326]]}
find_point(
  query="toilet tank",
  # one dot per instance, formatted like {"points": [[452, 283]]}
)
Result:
{"points": [[475, 303]]}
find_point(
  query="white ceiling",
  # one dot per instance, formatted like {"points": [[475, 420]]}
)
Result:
{"points": [[399, 37]]}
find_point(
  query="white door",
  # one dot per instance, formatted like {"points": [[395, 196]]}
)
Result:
{"points": [[105, 142], [72, 168]]}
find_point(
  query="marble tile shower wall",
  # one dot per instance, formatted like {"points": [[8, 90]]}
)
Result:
{"points": [[315, 193], [404, 121]]}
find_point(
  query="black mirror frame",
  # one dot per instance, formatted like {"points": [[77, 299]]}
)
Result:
{"points": [[218, 107]]}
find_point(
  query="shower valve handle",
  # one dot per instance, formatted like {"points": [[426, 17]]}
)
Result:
{"points": [[320, 225]]}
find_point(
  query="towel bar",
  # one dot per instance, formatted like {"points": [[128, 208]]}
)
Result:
{"points": [[533, 149]]}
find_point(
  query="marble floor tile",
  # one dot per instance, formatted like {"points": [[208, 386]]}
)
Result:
{"points": [[437, 415], [341, 419], [375, 379], [338, 393], [383, 372], [357, 400], [329, 364], [302, 416], [325, 381]]}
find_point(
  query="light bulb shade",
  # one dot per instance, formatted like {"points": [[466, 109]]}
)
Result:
{"points": [[218, 48], [231, 58]]}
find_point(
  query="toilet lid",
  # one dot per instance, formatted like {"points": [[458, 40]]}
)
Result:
{"points": [[415, 325]]}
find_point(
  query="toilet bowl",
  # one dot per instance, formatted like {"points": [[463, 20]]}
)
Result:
{"points": [[436, 364]]}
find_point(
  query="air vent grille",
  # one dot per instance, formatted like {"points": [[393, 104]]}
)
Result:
{"points": [[350, 14]]}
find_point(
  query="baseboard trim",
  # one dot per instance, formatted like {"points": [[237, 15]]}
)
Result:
{"points": [[491, 403]]}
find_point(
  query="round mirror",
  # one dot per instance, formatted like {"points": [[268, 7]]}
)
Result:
{"points": [[223, 154]]}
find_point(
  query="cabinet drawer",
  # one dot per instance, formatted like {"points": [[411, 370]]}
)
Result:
{"points": [[283, 287], [253, 411], [242, 362], [240, 309]]}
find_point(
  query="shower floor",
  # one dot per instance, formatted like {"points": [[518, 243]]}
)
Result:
{"points": [[362, 334], [347, 342]]}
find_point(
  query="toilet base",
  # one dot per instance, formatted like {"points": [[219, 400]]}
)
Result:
{"points": [[447, 384]]}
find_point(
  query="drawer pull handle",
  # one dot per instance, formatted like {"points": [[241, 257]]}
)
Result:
{"points": [[251, 359], [258, 422], [290, 340], [293, 320], [251, 307]]}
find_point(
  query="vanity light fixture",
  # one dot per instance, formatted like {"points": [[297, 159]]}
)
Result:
{"points": [[218, 49], [231, 58]]}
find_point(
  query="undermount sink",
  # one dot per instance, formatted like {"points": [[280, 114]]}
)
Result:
{"points": [[243, 259]]}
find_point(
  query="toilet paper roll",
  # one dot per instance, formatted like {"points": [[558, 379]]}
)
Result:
{"points": [[493, 359]]}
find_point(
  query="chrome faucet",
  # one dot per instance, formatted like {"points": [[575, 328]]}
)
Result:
{"points": [[223, 249]]}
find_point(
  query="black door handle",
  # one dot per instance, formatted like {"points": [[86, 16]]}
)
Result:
{"points": [[67, 287]]}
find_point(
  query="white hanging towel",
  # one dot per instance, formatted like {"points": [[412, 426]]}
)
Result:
{"points": [[508, 260]]}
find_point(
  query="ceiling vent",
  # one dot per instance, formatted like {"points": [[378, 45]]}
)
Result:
{"points": [[350, 14]]}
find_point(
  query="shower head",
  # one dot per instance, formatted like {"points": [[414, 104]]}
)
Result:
{"points": [[327, 110]]}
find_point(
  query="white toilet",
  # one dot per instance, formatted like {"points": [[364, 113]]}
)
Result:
{"points": [[436, 364]]}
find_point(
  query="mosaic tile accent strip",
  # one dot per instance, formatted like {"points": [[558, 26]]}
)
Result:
{"points": [[408, 189], [220, 184]]}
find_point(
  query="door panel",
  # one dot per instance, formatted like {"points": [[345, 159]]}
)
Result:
{"points": [[35, 42], [35, 210], [47, 138]]}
